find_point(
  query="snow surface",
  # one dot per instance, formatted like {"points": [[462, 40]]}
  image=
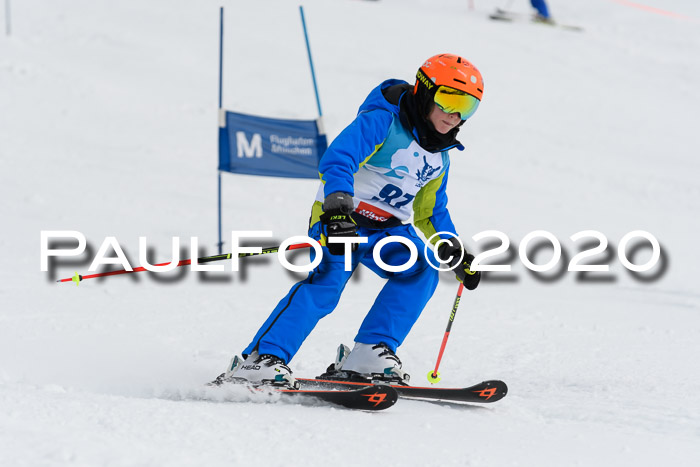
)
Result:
{"points": [[108, 126]]}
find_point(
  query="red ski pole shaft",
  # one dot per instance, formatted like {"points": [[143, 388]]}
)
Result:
{"points": [[206, 259], [433, 376]]}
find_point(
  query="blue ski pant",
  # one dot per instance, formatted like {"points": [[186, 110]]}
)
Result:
{"points": [[391, 317], [541, 7]]}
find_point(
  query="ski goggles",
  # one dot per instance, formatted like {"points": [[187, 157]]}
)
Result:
{"points": [[451, 100]]}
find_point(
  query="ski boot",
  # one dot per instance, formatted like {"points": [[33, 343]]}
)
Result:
{"points": [[258, 370], [538, 18], [367, 363]]}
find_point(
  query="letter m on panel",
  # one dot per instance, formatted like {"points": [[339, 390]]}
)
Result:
{"points": [[252, 148]]}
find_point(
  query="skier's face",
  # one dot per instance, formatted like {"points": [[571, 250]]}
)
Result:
{"points": [[443, 122]]}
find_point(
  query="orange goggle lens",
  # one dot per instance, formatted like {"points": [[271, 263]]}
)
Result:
{"points": [[451, 100]]}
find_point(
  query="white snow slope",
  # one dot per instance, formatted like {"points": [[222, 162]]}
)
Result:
{"points": [[108, 124]]}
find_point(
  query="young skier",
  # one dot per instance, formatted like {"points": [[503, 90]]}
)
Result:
{"points": [[389, 163]]}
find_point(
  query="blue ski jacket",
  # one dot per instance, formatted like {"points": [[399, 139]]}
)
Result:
{"points": [[379, 161]]}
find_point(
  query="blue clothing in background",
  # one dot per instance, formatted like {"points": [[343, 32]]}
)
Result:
{"points": [[541, 7]]}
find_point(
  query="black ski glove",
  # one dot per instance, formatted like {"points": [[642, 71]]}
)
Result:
{"points": [[337, 222], [465, 275]]}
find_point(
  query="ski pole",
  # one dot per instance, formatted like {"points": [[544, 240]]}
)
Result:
{"points": [[434, 376], [206, 259]]}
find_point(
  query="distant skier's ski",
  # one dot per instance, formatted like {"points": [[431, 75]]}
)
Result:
{"points": [[485, 392], [508, 16]]}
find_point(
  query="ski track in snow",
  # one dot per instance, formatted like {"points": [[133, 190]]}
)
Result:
{"points": [[108, 126]]}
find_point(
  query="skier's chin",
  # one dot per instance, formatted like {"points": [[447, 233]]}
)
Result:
{"points": [[443, 128]]}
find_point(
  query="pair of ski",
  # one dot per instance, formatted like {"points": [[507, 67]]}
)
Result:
{"points": [[509, 16], [372, 396]]}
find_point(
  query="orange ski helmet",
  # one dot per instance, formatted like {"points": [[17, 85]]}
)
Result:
{"points": [[453, 83]]}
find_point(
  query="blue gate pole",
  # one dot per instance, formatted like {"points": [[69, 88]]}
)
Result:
{"points": [[311, 62], [221, 73]]}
